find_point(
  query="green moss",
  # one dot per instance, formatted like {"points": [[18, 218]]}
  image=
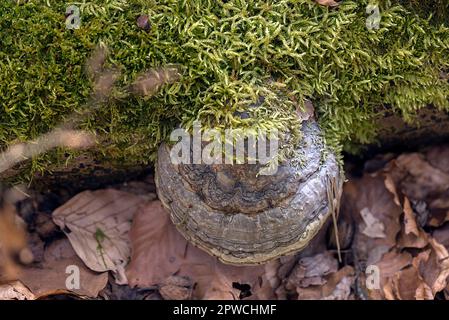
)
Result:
{"points": [[437, 10], [230, 52]]}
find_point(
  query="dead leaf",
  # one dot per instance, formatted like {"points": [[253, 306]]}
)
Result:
{"points": [[15, 291], [369, 195], [412, 236], [407, 284], [442, 235], [97, 224], [438, 157], [435, 270], [440, 210], [312, 271], [423, 292], [390, 264], [176, 288], [422, 180], [336, 286], [50, 278], [159, 251], [409, 219], [391, 186]]}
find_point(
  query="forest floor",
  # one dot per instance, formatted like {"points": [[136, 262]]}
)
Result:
{"points": [[118, 243]]}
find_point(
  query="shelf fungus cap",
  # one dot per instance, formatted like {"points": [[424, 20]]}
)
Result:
{"points": [[244, 218]]}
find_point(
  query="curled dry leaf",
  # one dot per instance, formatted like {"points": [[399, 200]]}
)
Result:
{"points": [[61, 262], [411, 227], [391, 186], [160, 252], [412, 235], [97, 224]]}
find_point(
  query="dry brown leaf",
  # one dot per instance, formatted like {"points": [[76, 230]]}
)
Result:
{"points": [[393, 262], [337, 286], [390, 264], [309, 293], [391, 186], [342, 290], [176, 288], [412, 235], [421, 183], [438, 157], [15, 291], [423, 292], [369, 195], [329, 3], [422, 179], [439, 210], [50, 278], [159, 252], [407, 284], [436, 271], [412, 241], [442, 235], [312, 271], [409, 219], [97, 224]]}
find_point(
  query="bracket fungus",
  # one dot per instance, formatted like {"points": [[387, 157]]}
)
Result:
{"points": [[243, 218]]}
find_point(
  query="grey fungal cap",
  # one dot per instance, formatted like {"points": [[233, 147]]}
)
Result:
{"points": [[244, 218]]}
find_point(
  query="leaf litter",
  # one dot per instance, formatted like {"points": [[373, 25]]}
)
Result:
{"points": [[393, 220]]}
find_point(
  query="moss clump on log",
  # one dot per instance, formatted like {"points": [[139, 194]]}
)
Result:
{"points": [[436, 10], [231, 53]]}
